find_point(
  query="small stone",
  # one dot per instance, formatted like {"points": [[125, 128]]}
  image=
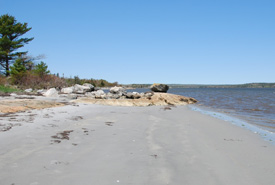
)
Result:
{"points": [[28, 90]]}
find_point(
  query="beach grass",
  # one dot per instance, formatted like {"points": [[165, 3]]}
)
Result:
{"points": [[5, 89]]}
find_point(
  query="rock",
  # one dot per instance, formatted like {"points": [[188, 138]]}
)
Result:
{"points": [[40, 91], [136, 95], [90, 94], [113, 96], [72, 96], [81, 89], [96, 88], [51, 93], [148, 95], [28, 90], [133, 95], [89, 85], [99, 94], [67, 90], [130, 95], [13, 94], [118, 90], [159, 88]]}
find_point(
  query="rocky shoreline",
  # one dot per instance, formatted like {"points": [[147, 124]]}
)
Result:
{"points": [[86, 93]]}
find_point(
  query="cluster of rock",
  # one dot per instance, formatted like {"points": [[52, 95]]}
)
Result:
{"points": [[118, 96], [88, 90], [117, 93]]}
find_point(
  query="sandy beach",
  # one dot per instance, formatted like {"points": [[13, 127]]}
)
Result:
{"points": [[95, 144]]}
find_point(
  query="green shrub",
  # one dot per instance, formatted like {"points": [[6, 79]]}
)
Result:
{"points": [[41, 69], [18, 70], [4, 89]]}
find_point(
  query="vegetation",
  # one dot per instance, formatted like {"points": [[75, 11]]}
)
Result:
{"points": [[41, 69], [94, 82], [10, 41], [6, 89]]}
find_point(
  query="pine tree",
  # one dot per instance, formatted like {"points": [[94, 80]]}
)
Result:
{"points": [[18, 70], [10, 41], [41, 69]]}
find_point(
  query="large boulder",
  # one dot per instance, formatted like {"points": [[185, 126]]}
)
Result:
{"points": [[118, 90], [89, 85], [133, 95], [81, 89], [159, 88], [51, 93], [113, 96], [99, 94], [67, 90], [41, 91]]}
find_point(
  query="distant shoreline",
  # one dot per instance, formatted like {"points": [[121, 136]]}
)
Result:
{"points": [[248, 85]]}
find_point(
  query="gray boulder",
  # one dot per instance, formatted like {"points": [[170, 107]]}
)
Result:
{"points": [[118, 90], [133, 95], [28, 90], [99, 94], [112, 96], [89, 85], [159, 88], [90, 94], [41, 91], [130, 95], [148, 95], [67, 90], [81, 89], [51, 93]]}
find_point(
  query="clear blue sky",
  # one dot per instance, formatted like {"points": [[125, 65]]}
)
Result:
{"points": [[148, 41]]}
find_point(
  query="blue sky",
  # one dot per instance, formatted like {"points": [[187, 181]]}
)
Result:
{"points": [[153, 41]]}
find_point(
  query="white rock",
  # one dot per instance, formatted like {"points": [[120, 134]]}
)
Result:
{"points": [[99, 92], [28, 90], [88, 85], [80, 89], [67, 90], [51, 93], [40, 91], [117, 90]]}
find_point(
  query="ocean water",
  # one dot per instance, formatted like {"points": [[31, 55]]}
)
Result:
{"points": [[253, 106]]}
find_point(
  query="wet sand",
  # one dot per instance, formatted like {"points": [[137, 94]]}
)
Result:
{"points": [[95, 144]]}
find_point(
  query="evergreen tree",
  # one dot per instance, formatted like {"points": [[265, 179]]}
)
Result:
{"points": [[41, 69], [10, 41], [18, 70]]}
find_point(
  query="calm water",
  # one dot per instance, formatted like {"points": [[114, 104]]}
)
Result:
{"points": [[255, 106]]}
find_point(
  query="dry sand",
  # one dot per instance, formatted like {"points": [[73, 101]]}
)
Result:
{"points": [[84, 144], [156, 99]]}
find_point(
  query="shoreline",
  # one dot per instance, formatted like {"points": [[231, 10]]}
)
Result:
{"points": [[265, 134], [96, 144]]}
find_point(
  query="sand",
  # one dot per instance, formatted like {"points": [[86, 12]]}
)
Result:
{"points": [[84, 144], [156, 99]]}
